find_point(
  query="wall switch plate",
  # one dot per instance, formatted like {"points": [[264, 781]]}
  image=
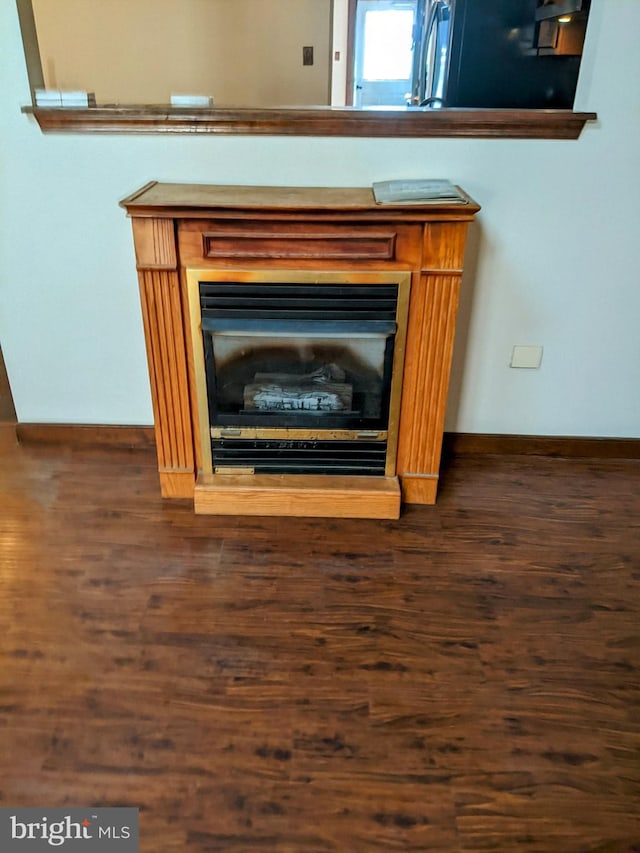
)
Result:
{"points": [[307, 55], [529, 357]]}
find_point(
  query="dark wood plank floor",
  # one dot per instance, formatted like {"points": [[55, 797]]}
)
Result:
{"points": [[464, 679]]}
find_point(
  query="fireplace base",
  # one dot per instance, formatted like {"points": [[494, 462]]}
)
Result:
{"points": [[318, 496]]}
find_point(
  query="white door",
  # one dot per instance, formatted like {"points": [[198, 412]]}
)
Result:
{"points": [[383, 52]]}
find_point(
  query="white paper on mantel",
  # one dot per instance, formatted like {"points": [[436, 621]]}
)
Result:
{"points": [[417, 191]]}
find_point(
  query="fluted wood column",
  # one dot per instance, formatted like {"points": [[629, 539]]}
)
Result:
{"points": [[166, 354], [435, 294]]}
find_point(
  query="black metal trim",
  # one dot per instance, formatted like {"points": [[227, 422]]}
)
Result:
{"points": [[304, 456], [330, 328]]}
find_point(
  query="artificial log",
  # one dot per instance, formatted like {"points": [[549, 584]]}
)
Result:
{"points": [[285, 392], [322, 390]]}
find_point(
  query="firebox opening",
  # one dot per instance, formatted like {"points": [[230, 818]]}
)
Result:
{"points": [[301, 372], [318, 382]]}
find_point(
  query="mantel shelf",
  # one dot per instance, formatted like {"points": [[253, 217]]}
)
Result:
{"points": [[452, 123]]}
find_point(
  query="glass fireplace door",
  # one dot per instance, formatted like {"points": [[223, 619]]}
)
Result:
{"points": [[333, 375]]}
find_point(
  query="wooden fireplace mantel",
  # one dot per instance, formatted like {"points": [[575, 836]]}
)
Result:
{"points": [[177, 227]]}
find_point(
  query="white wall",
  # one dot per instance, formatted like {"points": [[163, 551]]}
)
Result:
{"points": [[554, 259], [339, 51]]}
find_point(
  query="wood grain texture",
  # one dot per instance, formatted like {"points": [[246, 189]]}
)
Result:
{"points": [[298, 495], [177, 484], [466, 678], [444, 245], [457, 444], [432, 317], [297, 229], [453, 123], [155, 243], [87, 435], [419, 489], [400, 241], [255, 240], [166, 354], [231, 201]]}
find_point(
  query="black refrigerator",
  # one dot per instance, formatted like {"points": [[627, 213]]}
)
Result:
{"points": [[517, 54]]}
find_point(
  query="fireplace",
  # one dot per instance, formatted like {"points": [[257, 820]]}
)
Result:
{"points": [[298, 372], [299, 342]]}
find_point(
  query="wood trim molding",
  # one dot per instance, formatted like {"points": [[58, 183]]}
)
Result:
{"points": [[453, 123], [87, 435], [578, 447], [251, 242], [155, 243], [426, 378], [455, 443], [167, 360]]}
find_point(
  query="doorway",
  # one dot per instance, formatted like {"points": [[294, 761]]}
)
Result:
{"points": [[383, 40]]}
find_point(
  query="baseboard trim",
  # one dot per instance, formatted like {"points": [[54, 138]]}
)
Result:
{"points": [[87, 435], [467, 443], [454, 444]]}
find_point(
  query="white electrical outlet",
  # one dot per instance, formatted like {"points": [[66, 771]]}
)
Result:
{"points": [[529, 357]]}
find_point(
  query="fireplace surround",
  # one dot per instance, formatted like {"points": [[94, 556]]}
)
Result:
{"points": [[299, 344]]}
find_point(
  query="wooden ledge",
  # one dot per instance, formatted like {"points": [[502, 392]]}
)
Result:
{"points": [[314, 496], [480, 124], [87, 435], [577, 447]]}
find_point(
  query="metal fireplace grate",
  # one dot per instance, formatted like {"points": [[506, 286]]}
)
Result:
{"points": [[248, 300], [309, 456]]}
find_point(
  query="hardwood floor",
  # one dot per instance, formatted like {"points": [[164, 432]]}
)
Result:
{"points": [[464, 679]]}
